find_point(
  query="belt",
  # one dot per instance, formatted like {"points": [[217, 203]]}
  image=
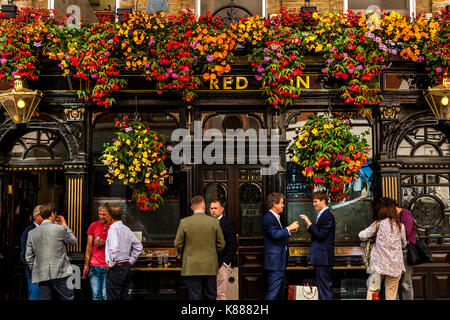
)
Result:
{"points": [[125, 263]]}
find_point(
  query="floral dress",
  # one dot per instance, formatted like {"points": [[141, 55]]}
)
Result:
{"points": [[386, 257]]}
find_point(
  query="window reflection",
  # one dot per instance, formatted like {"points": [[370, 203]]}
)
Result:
{"points": [[250, 205]]}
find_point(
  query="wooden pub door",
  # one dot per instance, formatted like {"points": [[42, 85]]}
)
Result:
{"points": [[242, 190]]}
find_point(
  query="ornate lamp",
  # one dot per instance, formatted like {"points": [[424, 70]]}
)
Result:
{"points": [[19, 102], [438, 99]]}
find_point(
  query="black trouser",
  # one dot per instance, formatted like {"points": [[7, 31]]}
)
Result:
{"points": [[118, 282], [60, 286], [197, 284]]}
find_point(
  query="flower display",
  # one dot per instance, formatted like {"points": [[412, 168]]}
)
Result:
{"points": [[177, 52], [23, 40], [136, 158], [329, 154]]}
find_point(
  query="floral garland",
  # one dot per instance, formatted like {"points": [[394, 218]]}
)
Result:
{"points": [[177, 51], [23, 40], [329, 154], [136, 158]]}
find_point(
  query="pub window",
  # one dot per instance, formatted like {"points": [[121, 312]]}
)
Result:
{"points": [[424, 141], [403, 7], [255, 7], [426, 191], [222, 122], [39, 145], [353, 214], [151, 226], [85, 9]]}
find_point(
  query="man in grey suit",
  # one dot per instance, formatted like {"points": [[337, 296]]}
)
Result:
{"points": [[46, 255]]}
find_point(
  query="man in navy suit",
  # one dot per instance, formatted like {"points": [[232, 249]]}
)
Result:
{"points": [[322, 244], [275, 245], [33, 288]]}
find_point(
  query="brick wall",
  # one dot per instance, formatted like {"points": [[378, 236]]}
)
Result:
{"points": [[28, 3], [438, 5]]}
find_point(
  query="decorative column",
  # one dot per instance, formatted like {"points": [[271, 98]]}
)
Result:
{"points": [[76, 171], [76, 200], [389, 165], [390, 187]]}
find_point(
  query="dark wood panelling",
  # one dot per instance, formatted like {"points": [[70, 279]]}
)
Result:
{"points": [[419, 285], [251, 286], [251, 275], [440, 285]]}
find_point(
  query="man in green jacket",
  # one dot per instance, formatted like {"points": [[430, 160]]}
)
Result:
{"points": [[200, 237]]}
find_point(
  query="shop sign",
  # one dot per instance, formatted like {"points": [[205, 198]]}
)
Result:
{"points": [[249, 83]]}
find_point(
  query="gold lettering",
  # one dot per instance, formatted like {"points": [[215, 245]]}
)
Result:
{"points": [[213, 83], [238, 83], [226, 82], [301, 81]]}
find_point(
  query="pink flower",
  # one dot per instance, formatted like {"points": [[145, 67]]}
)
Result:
{"points": [[438, 69]]}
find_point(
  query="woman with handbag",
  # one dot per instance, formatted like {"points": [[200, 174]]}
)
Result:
{"points": [[386, 258], [406, 291]]}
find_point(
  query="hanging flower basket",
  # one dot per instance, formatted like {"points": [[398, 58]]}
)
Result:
{"points": [[329, 154], [136, 158]]}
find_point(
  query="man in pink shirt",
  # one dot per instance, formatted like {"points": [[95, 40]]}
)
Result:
{"points": [[94, 259]]}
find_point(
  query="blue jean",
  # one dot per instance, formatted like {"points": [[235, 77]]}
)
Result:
{"points": [[33, 290], [97, 278]]}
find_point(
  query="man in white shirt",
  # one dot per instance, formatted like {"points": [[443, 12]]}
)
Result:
{"points": [[322, 243], [119, 243], [226, 255], [275, 245]]}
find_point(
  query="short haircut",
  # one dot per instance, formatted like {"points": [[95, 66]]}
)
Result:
{"points": [[115, 211], [104, 207], [197, 201], [321, 195], [46, 210], [37, 211], [217, 200], [274, 198]]}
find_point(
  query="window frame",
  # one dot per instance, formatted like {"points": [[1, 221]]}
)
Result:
{"points": [[198, 5], [51, 4], [412, 7]]}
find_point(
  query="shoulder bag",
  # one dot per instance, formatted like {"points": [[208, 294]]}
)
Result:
{"points": [[366, 247], [418, 253]]}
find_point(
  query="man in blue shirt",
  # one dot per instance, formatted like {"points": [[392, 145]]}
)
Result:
{"points": [[322, 244], [33, 288]]}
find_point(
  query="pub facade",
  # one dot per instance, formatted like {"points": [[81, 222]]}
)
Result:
{"points": [[55, 157]]}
